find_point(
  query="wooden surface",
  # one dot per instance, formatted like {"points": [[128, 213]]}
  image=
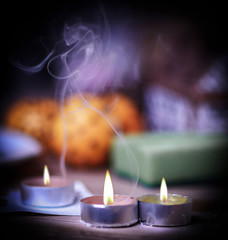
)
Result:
{"points": [[209, 208]]}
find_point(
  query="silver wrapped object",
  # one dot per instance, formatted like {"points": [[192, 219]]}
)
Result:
{"points": [[59, 193], [95, 213], [167, 215]]}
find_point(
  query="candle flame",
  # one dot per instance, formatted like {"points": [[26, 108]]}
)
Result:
{"points": [[46, 175], [108, 195], [163, 191]]}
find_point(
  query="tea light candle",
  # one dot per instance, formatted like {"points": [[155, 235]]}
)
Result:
{"points": [[47, 192], [165, 209], [109, 210]]}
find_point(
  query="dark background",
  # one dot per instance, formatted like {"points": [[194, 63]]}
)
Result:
{"points": [[25, 23]]}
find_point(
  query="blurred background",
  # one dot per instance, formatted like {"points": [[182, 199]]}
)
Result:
{"points": [[182, 50], [179, 50]]}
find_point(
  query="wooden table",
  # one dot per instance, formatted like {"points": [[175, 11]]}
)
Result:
{"points": [[209, 208]]}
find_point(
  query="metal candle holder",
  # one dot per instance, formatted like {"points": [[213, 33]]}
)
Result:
{"points": [[95, 213], [158, 214], [59, 193]]}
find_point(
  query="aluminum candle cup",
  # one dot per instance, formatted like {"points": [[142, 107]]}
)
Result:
{"points": [[176, 211], [58, 193], [123, 212]]}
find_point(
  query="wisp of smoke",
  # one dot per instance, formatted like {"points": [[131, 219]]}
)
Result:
{"points": [[87, 59]]}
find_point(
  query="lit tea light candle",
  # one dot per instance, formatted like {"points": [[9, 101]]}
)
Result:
{"points": [[109, 210], [48, 191], [165, 209]]}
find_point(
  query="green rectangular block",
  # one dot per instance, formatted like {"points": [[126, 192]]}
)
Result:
{"points": [[179, 158]]}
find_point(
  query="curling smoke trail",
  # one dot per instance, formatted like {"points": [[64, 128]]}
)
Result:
{"points": [[86, 60], [97, 67]]}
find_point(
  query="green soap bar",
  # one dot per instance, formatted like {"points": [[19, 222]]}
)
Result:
{"points": [[179, 158]]}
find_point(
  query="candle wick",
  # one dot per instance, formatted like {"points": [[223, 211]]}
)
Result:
{"points": [[164, 199]]}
